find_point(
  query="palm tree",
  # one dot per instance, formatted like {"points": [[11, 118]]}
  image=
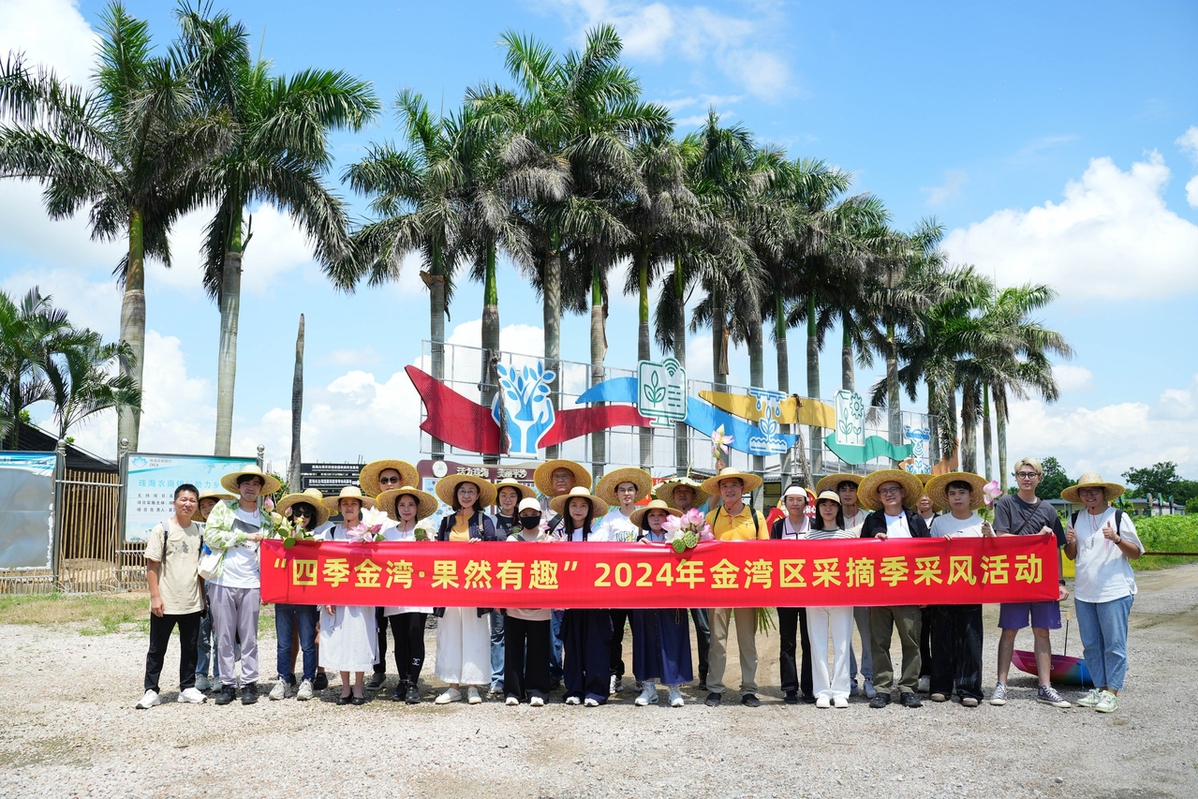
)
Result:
{"points": [[30, 332], [279, 154], [124, 149], [81, 384]]}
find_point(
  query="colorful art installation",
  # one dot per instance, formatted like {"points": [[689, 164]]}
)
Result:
{"points": [[919, 438], [812, 412]]}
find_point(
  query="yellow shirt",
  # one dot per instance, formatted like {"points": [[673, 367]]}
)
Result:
{"points": [[739, 527], [461, 528]]}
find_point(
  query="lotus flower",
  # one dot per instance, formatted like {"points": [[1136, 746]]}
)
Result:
{"points": [[719, 443], [991, 492]]}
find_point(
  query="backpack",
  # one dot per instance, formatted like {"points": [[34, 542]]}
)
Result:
{"points": [[1118, 519]]}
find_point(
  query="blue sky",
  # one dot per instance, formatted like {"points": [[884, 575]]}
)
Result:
{"points": [[1054, 141]]}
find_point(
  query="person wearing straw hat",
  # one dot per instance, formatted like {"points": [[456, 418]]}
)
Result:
{"points": [[586, 634], [734, 520], [684, 493], [957, 634], [661, 644], [527, 630], [204, 660], [464, 634], [831, 688], [1102, 541], [1025, 513], [509, 492], [792, 622], [348, 641], [621, 489], [295, 625], [927, 511], [891, 495], [407, 505], [235, 529], [845, 486]]}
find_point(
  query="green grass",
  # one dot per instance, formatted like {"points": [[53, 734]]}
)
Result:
{"points": [[1166, 534], [94, 614]]}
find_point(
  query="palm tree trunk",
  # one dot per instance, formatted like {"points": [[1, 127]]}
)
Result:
{"points": [[756, 365], [952, 446], [598, 351], [847, 376], [783, 358], [969, 427], [230, 311], [642, 344], [1000, 419], [986, 429], [933, 421], [814, 434], [719, 339], [892, 384], [681, 442], [490, 339], [133, 329], [552, 320], [297, 410], [437, 330]]}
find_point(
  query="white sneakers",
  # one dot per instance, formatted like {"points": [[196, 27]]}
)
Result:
{"points": [[676, 696], [472, 696], [1108, 703], [511, 701], [840, 701], [305, 691], [191, 696], [449, 695], [648, 694], [823, 702], [614, 686], [148, 701], [537, 701], [573, 700], [279, 691], [591, 702], [1091, 699]]}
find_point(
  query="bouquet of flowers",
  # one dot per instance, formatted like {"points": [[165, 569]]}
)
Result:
{"points": [[288, 530], [370, 528], [424, 529], [687, 531]]}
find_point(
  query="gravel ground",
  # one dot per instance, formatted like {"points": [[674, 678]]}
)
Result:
{"points": [[69, 729]]}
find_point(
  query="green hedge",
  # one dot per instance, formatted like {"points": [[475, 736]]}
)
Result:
{"points": [[1166, 534]]}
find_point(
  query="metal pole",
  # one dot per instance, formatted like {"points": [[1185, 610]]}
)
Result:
{"points": [[123, 460], [60, 473]]}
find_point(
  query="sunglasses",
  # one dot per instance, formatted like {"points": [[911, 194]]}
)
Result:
{"points": [[388, 480], [301, 512]]}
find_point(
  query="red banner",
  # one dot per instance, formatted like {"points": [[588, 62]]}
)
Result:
{"points": [[928, 571]]}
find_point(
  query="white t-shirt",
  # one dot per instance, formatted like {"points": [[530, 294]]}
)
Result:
{"points": [[577, 535], [947, 524], [896, 526], [240, 567], [616, 529], [393, 533], [854, 523], [1103, 571]]}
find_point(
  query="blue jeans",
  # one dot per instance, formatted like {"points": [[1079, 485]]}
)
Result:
{"points": [[204, 648], [288, 619], [1103, 627], [555, 647], [496, 648]]}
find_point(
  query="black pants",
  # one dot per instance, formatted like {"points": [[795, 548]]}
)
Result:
{"points": [[161, 628], [618, 619], [790, 622], [702, 638], [957, 650], [408, 631], [926, 634], [525, 658], [586, 650], [380, 628]]}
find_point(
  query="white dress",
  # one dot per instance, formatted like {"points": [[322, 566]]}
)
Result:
{"points": [[348, 641]]}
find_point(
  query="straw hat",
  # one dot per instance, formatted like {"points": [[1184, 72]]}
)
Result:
{"points": [[924, 478], [638, 515], [937, 489], [598, 506], [666, 491], [712, 484], [447, 487], [522, 491], [368, 478], [867, 491], [349, 492], [426, 503], [1091, 480], [216, 494], [630, 474], [544, 474], [229, 481], [313, 497], [830, 482]]}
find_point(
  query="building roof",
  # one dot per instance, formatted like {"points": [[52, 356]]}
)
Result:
{"points": [[32, 438]]}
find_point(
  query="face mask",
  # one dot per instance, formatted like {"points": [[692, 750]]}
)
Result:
{"points": [[530, 522]]}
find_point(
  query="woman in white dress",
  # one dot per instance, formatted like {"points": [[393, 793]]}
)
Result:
{"points": [[831, 689], [348, 637]]}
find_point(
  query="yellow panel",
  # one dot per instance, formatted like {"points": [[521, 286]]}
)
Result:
{"points": [[742, 405]]}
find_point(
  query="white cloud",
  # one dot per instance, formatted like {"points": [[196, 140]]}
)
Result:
{"points": [[1110, 225], [1188, 142], [954, 181], [1072, 378], [51, 33], [94, 304]]}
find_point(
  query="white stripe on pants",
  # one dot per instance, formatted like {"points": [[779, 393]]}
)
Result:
{"points": [[464, 647], [235, 615], [839, 623]]}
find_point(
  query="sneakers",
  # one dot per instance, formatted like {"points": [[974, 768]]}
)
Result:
{"points": [[911, 701], [227, 694], [676, 696], [938, 697], [573, 700], [511, 701], [615, 686], [925, 684], [591, 702], [713, 699], [449, 695], [279, 691], [791, 698], [648, 695], [870, 693], [413, 695], [321, 682], [191, 696], [496, 691], [1049, 696], [823, 702], [376, 681], [1091, 699], [537, 701], [750, 700], [148, 700], [969, 701], [879, 701], [1108, 703], [203, 683], [249, 693], [854, 689], [840, 701], [702, 680], [999, 695], [401, 690], [305, 691], [472, 696]]}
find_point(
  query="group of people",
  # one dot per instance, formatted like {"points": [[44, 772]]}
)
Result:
{"points": [[524, 654]]}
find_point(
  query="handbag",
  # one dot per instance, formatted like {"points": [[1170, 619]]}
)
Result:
{"points": [[210, 562]]}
